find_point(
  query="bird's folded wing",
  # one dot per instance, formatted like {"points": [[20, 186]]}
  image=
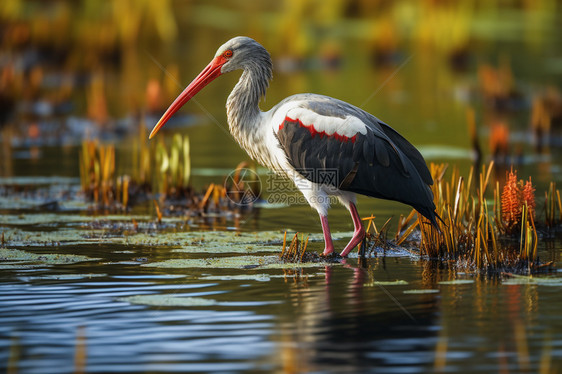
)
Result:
{"points": [[333, 143]]}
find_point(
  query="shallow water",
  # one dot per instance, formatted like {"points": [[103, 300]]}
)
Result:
{"points": [[189, 301], [329, 321]]}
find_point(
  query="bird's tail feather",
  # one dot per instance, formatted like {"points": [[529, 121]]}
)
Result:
{"points": [[432, 216]]}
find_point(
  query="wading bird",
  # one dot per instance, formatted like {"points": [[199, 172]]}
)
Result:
{"points": [[326, 146]]}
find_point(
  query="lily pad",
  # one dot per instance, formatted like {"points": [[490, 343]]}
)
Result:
{"points": [[168, 300], [386, 283], [253, 277], [21, 230], [525, 280], [7, 254], [187, 301], [20, 266], [421, 291], [193, 242], [235, 262], [40, 219], [61, 277]]}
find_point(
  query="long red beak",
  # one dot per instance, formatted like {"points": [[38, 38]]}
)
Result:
{"points": [[211, 72]]}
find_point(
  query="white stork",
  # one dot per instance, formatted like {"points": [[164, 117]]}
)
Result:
{"points": [[326, 146]]}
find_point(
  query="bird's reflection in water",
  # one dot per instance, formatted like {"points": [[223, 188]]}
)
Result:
{"points": [[342, 325]]}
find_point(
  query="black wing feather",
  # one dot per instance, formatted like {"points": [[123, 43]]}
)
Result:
{"points": [[409, 151]]}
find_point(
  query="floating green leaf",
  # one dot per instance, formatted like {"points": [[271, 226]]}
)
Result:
{"points": [[386, 283], [254, 277], [7, 254], [235, 262], [421, 291], [531, 280], [168, 300]]}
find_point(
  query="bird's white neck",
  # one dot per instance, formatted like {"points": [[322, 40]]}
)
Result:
{"points": [[242, 108]]}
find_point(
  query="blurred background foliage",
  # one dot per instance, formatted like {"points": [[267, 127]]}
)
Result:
{"points": [[71, 70], [92, 36]]}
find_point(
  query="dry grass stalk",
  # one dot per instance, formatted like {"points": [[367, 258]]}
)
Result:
{"points": [[97, 172], [125, 189], [371, 223], [143, 156], [158, 211], [378, 237], [218, 192], [205, 199], [296, 250], [173, 170], [406, 233], [552, 202], [241, 186], [529, 238], [402, 223]]}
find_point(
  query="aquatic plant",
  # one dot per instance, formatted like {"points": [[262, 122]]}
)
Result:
{"points": [[297, 248], [471, 233], [142, 156], [97, 172], [552, 202], [404, 231], [169, 171], [516, 198], [242, 186], [158, 211], [214, 198], [173, 167], [511, 202], [375, 238], [160, 172]]}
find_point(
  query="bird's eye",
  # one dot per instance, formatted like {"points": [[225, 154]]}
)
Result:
{"points": [[227, 53]]}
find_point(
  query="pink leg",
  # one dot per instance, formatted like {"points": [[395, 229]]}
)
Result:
{"points": [[358, 234], [329, 248]]}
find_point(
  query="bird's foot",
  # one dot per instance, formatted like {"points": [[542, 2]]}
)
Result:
{"points": [[328, 252], [357, 237], [329, 248], [331, 257]]}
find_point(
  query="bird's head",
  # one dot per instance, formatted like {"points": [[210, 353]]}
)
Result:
{"points": [[240, 52]]}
